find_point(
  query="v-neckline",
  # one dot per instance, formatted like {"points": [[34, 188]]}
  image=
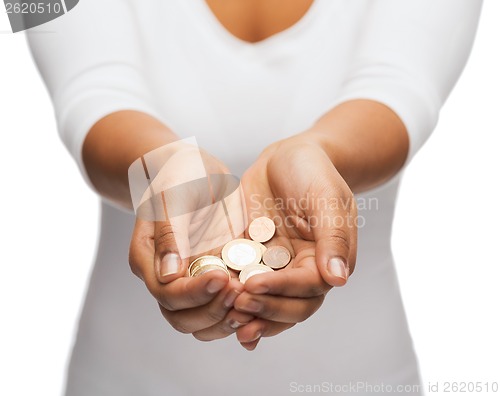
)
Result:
{"points": [[218, 28]]}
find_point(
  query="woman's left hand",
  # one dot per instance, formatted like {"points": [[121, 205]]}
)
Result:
{"points": [[296, 184]]}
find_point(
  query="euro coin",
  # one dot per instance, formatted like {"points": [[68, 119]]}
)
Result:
{"points": [[276, 257], [253, 269], [207, 268], [204, 264], [262, 229], [239, 253], [259, 245]]}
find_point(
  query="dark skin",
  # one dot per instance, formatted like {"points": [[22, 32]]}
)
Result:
{"points": [[354, 147], [256, 20]]}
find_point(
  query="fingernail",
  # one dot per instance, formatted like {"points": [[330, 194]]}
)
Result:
{"points": [[252, 306], [257, 336], [234, 324], [230, 297], [215, 285], [337, 267], [170, 264]]}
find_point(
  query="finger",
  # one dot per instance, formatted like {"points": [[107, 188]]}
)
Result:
{"points": [[278, 309], [335, 233], [260, 328], [171, 247], [302, 279], [180, 292], [232, 322], [202, 317], [143, 254], [187, 292], [250, 346]]}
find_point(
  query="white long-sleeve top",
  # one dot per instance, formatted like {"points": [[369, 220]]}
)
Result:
{"points": [[174, 60]]}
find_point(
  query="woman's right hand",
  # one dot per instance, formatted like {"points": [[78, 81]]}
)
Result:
{"points": [[190, 305], [202, 306]]}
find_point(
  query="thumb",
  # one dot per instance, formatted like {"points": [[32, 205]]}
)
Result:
{"points": [[336, 240], [171, 257], [173, 211]]}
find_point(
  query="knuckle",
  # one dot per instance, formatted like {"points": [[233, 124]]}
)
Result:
{"points": [[215, 315], [165, 302], [164, 237], [339, 238]]}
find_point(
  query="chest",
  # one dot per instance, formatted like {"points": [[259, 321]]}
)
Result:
{"points": [[256, 20], [236, 97]]}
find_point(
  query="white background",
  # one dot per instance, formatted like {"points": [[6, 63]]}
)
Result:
{"points": [[445, 241]]}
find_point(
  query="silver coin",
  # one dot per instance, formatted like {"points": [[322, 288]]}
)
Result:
{"points": [[240, 253], [253, 269]]}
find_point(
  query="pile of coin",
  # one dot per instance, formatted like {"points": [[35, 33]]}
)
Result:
{"points": [[249, 257]]}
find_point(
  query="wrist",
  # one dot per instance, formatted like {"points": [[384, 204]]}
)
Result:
{"points": [[322, 140]]}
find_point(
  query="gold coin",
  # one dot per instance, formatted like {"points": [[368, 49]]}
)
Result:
{"points": [[207, 268], [262, 229], [253, 269], [239, 253], [276, 257], [204, 264], [205, 260]]}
